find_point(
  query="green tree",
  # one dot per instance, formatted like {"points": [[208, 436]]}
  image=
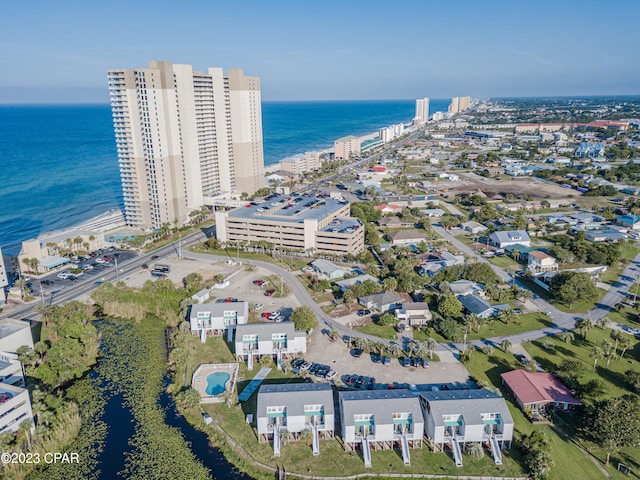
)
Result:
{"points": [[569, 287], [614, 423], [449, 306], [304, 318], [584, 325], [448, 327], [506, 345], [387, 319]]}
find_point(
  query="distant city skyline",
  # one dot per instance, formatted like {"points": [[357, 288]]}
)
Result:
{"points": [[331, 50]]}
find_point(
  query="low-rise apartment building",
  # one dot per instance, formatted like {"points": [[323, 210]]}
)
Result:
{"points": [[380, 420], [15, 404], [280, 340], [209, 319], [292, 408], [299, 222]]}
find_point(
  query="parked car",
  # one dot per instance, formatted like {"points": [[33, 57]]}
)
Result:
{"points": [[46, 282], [154, 257], [375, 357], [268, 293], [258, 306], [424, 362], [259, 282], [331, 375], [363, 313], [63, 275], [266, 315], [359, 381], [371, 383], [274, 315], [297, 363], [405, 361], [386, 360], [356, 352], [306, 366], [350, 380]]}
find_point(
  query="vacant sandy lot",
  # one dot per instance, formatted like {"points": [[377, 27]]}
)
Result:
{"points": [[521, 186]]}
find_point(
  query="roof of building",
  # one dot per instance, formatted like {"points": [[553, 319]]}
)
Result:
{"points": [[325, 266], [294, 396], [268, 328], [538, 387], [382, 404], [52, 261], [459, 287], [511, 236], [9, 326], [471, 404], [407, 235], [474, 304], [218, 309], [381, 298], [539, 255], [472, 224], [290, 208], [349, 282], [415, 306]]}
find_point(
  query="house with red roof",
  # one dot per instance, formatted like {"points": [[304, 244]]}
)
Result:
{"points": [[534, 391]]}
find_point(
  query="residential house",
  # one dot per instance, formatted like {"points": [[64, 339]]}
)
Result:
{"points": [[14, 334], [447, 259], [381, 419], [201, 296], [292, 408], [590, 149], [586, 218], [477, 305], [473, 227], [433, 212], [415, 314], [540, 262], [630, 221], [388, 208], [534, 391], [466, 287], [383, 301], [279, 340], [210, 319], [505, 238], [406, 237], [328, 269], [394, 222], [604, 235], [347, 283], [466, 416]]}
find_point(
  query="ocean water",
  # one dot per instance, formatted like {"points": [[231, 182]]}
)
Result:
{"points": [[59, 167]]}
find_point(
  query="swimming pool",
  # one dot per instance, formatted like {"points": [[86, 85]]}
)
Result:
{"points": [[216, 383]]}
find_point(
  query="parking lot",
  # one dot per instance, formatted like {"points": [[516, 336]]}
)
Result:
{"points": [[448, 371], [99, 267]]}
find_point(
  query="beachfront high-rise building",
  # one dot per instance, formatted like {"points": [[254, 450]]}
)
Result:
{"points": [[183, 136], [458, 104], [422, 111], [346, 147]]}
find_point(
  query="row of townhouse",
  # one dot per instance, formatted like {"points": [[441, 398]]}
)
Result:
{"points": [[384, 419], [280, 340]]}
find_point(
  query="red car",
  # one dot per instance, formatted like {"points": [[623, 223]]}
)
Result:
{"points": [[268, 293], [266, 315], [230, 300], [259, 282]]}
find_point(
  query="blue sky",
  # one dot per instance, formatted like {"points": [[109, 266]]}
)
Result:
{"points": [[53, 51]]}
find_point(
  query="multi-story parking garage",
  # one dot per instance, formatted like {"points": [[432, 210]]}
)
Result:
{"points": [[302, 222]]}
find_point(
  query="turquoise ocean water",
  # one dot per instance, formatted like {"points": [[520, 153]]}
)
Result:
{"points": [[59, 166]]}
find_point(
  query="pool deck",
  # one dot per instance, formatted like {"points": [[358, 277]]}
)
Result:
{"points": [[199, 380]]}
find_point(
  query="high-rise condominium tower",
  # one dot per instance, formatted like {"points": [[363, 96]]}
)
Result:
{"points": [[184, 135], [422, 111]]}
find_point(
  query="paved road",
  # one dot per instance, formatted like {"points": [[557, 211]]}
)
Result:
{"points": [[562, 321]]}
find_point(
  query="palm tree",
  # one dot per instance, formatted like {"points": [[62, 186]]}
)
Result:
{"points": [[603, 322], [24, 430], [615, 336], [608, 352], [431, 345], [507, 315], [567, 337], [360, 342], [584, 325], [625, 343], [506, 345], [525, 294], [394, 349]]}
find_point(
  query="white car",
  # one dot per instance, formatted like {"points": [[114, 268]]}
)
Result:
{"points": [[331, 375], [100, 260], [259, 306], [87, 267], [63, 275]]}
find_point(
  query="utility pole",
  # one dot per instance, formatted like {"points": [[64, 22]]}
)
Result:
{"points": [[180, 245]]}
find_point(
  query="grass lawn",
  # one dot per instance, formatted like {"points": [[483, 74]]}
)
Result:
{"points": [[613, 377], [284, 262], [523, 323], [276, 283], [506, 262], [378, 331], [570, 461], [612, 274]]}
